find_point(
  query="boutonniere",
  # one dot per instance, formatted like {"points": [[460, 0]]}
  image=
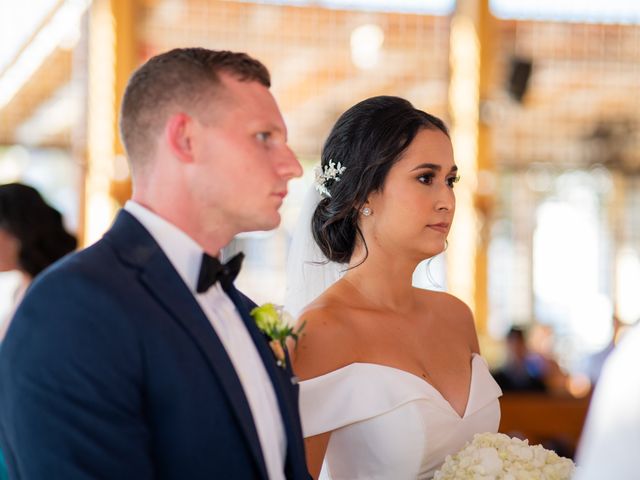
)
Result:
{"points": [[274, 322]]}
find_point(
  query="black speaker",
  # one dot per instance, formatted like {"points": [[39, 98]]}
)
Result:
{"points": [[519, 77]]}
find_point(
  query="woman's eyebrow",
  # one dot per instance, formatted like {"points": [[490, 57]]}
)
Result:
{"points": [[433, 166]]}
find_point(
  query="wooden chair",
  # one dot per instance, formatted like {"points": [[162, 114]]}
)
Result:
{"points": [[555, 422]]}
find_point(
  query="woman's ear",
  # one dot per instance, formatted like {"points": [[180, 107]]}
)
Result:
{"points": [[369, 206]]}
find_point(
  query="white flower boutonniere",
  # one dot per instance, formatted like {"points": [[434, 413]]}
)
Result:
{"points": [[273, 321]]}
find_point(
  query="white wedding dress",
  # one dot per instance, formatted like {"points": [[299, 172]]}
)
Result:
{"points": [[391, 424]]}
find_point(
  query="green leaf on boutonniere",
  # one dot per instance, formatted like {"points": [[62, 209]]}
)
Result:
{"points": [[273, 321]]}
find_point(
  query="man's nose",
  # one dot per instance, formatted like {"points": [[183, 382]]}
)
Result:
{"points": [[289, 166]]}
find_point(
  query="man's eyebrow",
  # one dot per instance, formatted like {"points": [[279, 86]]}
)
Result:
{"points": [[274, 127], [433, 166]]}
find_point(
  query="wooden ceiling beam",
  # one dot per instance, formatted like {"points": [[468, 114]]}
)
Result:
{"points": [[54, 72]]}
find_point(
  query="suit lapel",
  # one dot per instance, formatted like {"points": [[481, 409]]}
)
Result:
{"points": [[277, 377], [138, 248]]}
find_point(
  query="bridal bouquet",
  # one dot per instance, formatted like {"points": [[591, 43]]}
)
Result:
{"points": [[495, 456]]}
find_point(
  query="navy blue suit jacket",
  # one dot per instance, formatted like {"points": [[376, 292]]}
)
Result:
{"points": [[111, 370]]}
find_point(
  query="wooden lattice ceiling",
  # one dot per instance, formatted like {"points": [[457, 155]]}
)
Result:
{"points": [[582, 105]]}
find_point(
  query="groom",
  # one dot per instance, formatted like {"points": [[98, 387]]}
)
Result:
{"points": [[129, 360]]}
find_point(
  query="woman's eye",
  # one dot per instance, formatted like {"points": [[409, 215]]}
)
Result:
{"points": [[452, 180], [426, 179], [263, 136]]}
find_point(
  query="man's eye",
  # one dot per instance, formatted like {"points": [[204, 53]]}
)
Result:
{"points": [[263, 136]]}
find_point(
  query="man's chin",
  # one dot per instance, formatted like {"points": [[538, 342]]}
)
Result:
{"points": [[265, 224]]}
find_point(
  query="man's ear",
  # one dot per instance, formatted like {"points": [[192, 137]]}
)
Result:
{"points": [[179, 136]]}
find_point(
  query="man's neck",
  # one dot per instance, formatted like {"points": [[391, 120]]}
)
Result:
{"points": [[210, 241]]}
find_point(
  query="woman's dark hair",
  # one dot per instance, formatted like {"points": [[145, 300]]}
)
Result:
{"points": [[368, 139], [37, 226]]}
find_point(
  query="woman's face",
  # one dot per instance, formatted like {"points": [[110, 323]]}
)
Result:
{"points": [[414, 210], [9, 249]]}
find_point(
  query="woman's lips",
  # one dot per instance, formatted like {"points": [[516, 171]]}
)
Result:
{"points": [[439, 227]]}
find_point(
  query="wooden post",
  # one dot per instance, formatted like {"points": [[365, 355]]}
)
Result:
{"points": [[471, 71], [112, 57]]}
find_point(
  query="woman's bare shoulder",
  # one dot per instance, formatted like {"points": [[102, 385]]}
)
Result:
{"points": [[438, 299], [327, 339], [454, 311]]}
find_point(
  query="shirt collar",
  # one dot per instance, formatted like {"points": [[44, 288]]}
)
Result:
{"points": [[183, 252]]}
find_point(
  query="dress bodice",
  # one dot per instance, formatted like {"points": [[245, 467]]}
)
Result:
{"points": [[391, 424]]}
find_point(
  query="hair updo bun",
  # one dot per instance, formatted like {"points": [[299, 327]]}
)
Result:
{"points": [[334, 235], [367, 140]]}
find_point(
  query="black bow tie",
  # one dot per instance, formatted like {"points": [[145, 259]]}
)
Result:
{"points": [[212, 271]]}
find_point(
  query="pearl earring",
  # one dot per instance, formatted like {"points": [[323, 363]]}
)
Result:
{"points": [[366, 211]]}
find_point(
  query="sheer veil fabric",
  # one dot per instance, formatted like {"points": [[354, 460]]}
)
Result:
{"points": [[309, 273]]}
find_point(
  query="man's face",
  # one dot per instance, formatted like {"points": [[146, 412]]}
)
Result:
{"points": [[242, 162]]}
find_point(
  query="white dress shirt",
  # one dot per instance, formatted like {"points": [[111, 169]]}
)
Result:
{"points": [[610, 443], [186, 255]]}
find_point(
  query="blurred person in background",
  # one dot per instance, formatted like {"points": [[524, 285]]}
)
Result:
{"points": [[592, 364], [522, 370], [32, 237], [541, 340]]}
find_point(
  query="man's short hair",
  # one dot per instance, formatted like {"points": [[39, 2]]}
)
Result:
{"points": [[181, 78]]}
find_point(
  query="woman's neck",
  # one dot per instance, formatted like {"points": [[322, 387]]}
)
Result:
{"points": [[384, 280]]}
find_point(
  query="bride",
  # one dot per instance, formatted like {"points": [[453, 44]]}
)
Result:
{"points": [[391, 376]]}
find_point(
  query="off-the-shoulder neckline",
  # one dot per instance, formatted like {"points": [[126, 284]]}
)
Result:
{"points": [[411, 375]]}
